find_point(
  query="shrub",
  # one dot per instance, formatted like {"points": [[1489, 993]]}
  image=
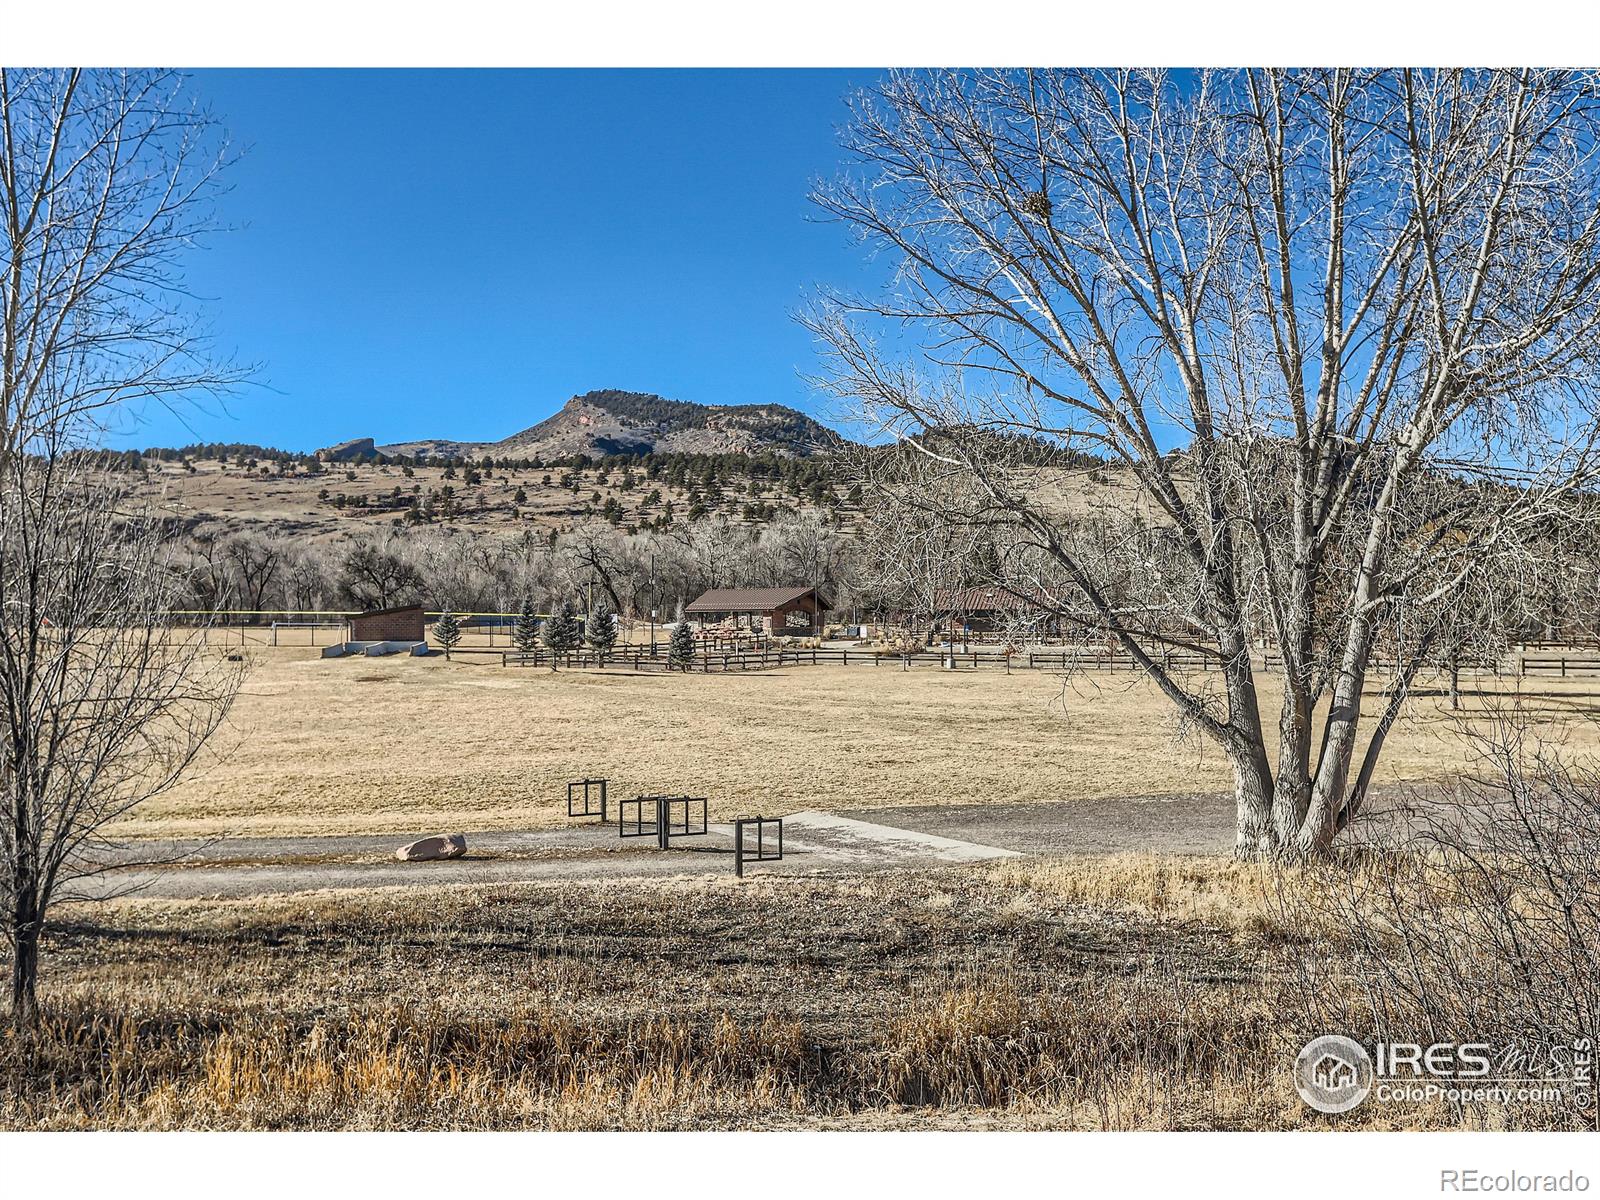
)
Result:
{"points": [[1479, 923]]}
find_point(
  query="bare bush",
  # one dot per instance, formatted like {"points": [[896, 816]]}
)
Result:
{"points": [[1476, 920]]}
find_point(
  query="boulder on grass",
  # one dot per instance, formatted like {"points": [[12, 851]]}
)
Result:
{"points": [[433, 849]]}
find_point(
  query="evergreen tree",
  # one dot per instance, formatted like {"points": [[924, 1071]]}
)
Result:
{"points": [[447, 632], [680, 651], [561, 633], [525, 634], [601, 631]]}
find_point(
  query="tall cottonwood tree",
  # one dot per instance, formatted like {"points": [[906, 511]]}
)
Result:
{"points": [[1340, 327], [106, 181]]}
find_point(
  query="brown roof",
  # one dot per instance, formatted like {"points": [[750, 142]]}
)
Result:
{"points": [[747, 600], [999, 599]]}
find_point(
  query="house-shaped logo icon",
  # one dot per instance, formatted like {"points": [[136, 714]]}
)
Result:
{"points": [[1333, 1074]]}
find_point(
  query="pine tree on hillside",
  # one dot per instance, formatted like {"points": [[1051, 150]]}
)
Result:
{"points": [[680, 651], [447, 632], [601, 632], [525, 634]]}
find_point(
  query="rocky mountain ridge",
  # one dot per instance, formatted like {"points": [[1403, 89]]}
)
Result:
{"points": [[605, 422]]}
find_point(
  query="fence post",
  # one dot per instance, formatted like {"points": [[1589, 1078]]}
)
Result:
{"points": [[738, 847], [663, 838]]}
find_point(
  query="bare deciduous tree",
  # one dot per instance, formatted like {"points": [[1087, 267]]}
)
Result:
{"points": [[1341, 327], [920, 542], [106, 179], [255, 562], [106, 701], [376, 575]]}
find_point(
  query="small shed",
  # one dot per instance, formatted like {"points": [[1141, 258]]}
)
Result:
{"points": [[404, 624], [782, 611]]}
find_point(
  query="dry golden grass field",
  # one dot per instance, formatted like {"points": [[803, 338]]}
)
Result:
{"points": [[391, 745], [1123, 993]]}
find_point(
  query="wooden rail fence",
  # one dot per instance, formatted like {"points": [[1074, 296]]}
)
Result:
{"points": [[655, 658], [1558, 666], [643, 658]]}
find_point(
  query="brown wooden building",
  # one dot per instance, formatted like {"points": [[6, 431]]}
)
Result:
{"points": [[988, 609], [783, 612]]}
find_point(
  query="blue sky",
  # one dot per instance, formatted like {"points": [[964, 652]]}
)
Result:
{"points": [[454, 253]]}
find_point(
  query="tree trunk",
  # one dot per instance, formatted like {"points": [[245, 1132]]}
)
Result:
{"points": [[1252, 786], [25, 968], [1344, 707], [1246, 748], [1333, 771], [1292, 795]]}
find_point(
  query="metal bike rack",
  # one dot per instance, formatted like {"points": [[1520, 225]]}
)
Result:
{"points": [[664, 823], [584, 795], [764, 851]]}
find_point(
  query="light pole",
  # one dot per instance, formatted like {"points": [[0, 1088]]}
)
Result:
{"points": [[655, 603]]}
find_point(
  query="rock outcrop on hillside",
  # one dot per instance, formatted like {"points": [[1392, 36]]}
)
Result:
{"points": [[355, 448], [599, 423]]}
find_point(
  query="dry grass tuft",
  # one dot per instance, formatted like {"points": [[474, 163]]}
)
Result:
{"points": [[1147, 1051], [1242, 897]]}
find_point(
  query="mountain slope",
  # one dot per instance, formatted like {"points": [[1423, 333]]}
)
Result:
{"points": [[608, 421]]}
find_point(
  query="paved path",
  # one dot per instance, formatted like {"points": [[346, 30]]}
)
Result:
{"points": [[859, 841], [1191, 823], [1198, 823], [813, 841]]}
